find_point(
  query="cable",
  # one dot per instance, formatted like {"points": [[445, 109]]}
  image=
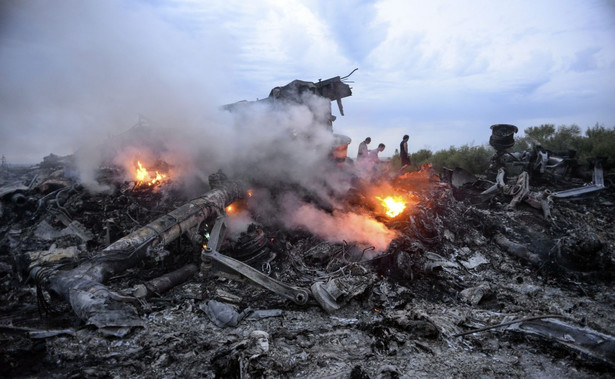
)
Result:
{"points": [[512, 322]]}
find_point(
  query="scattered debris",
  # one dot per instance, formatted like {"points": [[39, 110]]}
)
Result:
{"points": [[223, 315], [133, 282], [165, 282], [596, 184]]}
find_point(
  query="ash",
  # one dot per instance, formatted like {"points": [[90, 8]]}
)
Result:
{"points": [[459, 263]]}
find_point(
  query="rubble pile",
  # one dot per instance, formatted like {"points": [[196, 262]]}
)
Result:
{"points": [[470, 286]]}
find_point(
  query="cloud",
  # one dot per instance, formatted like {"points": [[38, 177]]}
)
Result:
{"points": [[75, 73], [353, 26], [466, 65], [275, 42], [427, 68], [585, 60]]}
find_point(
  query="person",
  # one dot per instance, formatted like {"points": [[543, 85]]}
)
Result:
{"points": [[373, 154], [363, 149], [368, 163], [403, 152]]}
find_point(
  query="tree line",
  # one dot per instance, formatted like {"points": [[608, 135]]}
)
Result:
{"points": [[596, 141]]}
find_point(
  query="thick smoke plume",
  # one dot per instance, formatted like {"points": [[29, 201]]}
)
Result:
{"points": [[94, 69], [76, 73], [341, 226]]}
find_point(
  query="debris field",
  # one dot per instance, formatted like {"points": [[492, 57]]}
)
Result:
{"points": [[469, 286]]}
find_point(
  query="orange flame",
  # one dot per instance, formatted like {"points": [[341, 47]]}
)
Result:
{"points": [[159, 177], [394, 205], [142, 173], [143, 177]]}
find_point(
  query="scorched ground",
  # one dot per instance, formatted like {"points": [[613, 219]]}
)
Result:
{"points": [[452, 266]]}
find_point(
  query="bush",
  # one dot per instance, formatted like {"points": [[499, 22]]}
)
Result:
{"points": [[420, 157], [417, 159], [598, 141], [474, 159]]}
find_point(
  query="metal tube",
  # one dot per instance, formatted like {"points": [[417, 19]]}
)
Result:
{"points": [[82, 286]]}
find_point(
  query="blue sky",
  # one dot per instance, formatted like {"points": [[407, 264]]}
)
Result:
{"points": [[440, 71]]}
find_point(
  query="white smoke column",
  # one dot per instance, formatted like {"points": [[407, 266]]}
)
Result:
{"points": [[93, 67], [76, 73], [340, 226]]}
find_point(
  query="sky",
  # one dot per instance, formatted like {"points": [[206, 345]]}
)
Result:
{"points": [[76, 72]]}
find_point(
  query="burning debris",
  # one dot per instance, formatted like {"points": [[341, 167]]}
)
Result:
{"points": [[334, 273], [144, 178]]}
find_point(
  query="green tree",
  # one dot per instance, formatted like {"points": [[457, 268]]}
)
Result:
{"points": [[598, 142], [541, 134], [555, 139], [474, 159], [420, 157]]}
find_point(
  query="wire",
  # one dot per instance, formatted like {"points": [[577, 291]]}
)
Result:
{"points": [[349, 74], [512, 322]]}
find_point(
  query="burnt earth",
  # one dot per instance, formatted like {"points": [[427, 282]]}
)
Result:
{"points": [[444, 275]]}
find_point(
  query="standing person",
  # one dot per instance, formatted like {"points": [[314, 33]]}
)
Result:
{"points": [[373, 162], [403, 152], [373, 154], [363, 149]]}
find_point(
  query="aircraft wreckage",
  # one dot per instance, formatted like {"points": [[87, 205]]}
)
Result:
{"points": [[477, 277]]}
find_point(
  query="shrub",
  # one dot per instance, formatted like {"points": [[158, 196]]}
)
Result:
{"points": [[474, 159], [598, 140]]}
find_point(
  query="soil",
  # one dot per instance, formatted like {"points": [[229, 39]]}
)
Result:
{"points": [[445, 275]]}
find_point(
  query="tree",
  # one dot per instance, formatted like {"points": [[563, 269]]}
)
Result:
{"points": [[597, 141], [541, 134], [562, 138], [420, 157], [474, 159]]}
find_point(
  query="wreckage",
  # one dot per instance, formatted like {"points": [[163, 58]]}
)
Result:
{"points": [[112, 312], [469, 272], [539, 162], [298, 92]]}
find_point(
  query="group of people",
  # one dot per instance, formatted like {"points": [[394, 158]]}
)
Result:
{"points": [[369, 158]]}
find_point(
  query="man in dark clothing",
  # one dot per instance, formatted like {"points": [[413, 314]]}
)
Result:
{"points": [[403, 152]]}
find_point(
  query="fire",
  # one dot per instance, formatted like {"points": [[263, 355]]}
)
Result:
{"points": [[393, 205], [342, 226], [159, 178], [230, 209], [142, 173], [143, 176]]}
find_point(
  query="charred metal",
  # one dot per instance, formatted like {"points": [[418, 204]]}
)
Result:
{"points": [[503, 274]]}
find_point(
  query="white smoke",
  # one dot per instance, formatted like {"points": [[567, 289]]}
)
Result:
{"points": [[341, 226], [77, 74]]}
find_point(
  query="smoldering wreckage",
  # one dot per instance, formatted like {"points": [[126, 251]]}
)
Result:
{"points": [[448, 274]]}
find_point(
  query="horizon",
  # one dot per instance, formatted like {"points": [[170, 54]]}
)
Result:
{"points": [[441, 72]]}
